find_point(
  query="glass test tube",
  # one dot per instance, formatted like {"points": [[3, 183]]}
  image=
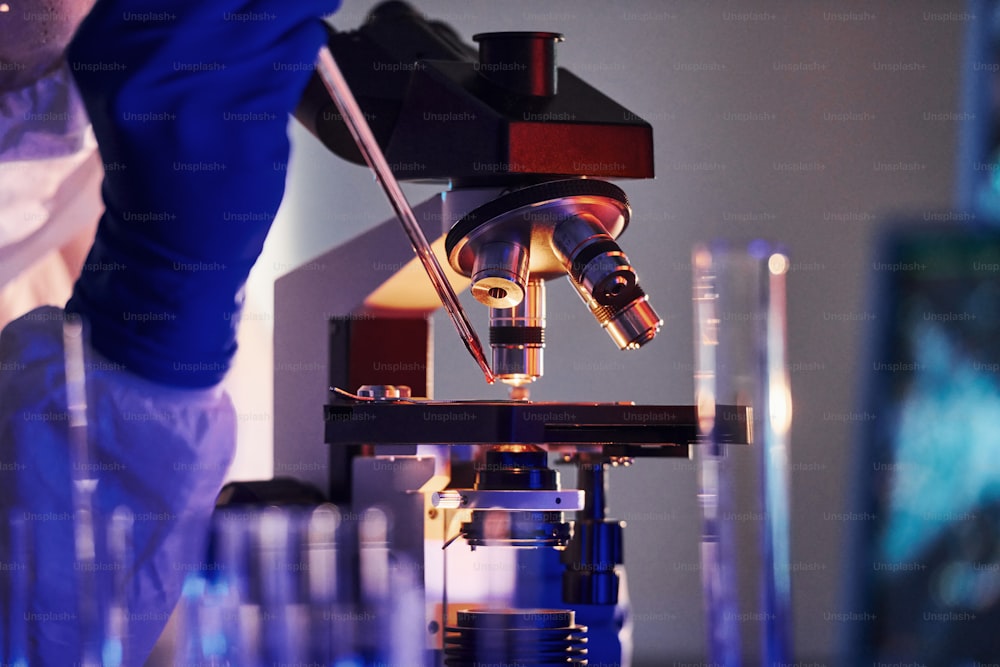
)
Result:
{"points": [[740, 360]]}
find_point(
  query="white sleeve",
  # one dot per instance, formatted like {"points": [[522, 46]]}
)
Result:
{"points": [[160, 451]]}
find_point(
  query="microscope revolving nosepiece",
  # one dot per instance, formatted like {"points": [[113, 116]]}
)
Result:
{"points": [[547, 230]]}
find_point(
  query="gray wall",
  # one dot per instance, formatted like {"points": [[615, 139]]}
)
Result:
{"points": [[792, 121]]}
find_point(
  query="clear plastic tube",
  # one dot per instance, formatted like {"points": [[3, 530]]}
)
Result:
{"points": [[84, 487], [740, 360], [114, 649]]}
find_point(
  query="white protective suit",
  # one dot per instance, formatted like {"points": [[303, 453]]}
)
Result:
{"points": [[167, 449], [50, 175]]}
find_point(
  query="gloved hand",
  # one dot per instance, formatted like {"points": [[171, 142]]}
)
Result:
{"points": [[189, 100]]}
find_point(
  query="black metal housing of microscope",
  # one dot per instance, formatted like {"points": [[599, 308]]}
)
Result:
{"points": [[504, 120], [520, 118]]}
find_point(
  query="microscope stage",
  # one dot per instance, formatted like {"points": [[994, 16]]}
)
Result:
{"points": [[618, 429]]}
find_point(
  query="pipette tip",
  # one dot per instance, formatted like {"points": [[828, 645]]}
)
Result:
{"points": [[480, 357]]}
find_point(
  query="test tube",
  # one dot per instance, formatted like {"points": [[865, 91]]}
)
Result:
{"points": [[324, 588], [297, 586], [740, 348], [84, 488], [114, 649], [211, 632]]}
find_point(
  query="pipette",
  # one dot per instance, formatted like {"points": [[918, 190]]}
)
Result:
{"points": [[338, 89]]}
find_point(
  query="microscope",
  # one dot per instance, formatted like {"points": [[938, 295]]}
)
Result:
{"points": [[513, 567]]}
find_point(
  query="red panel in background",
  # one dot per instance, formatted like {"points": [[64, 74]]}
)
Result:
{"points": [[547, 148], [383, 350]]}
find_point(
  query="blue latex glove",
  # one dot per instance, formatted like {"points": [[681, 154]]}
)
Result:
{"points": [[189, 100]]}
